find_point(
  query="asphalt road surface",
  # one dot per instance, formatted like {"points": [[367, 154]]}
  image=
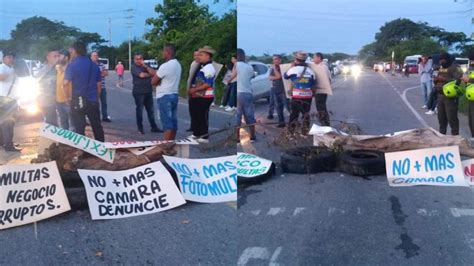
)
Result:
{"points": [[193, 234], [338, 219]]}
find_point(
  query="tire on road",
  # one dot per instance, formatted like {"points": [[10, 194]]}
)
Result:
{"points": [[257, 179], [77, 198], [362, 162], [308, 160]]}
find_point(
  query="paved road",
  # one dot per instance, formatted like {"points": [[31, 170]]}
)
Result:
{"points": [[189, 235], [337, 219]]}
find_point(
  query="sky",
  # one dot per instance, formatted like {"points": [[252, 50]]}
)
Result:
{"points": [[284, 26], [91, 15]]}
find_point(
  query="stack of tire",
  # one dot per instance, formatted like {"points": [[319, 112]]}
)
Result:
{"points": [[310, 160]]}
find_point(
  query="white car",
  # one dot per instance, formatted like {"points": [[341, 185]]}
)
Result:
{"points": [[261, 85]]}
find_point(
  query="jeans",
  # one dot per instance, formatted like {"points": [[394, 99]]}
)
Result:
{"points": [[92, 112], [426, 89], [245, 108], [298, 106], [49, 115], [226, 95], [168, 107], [103, 103], [199, 108], [63, 114], [278, 100], [144, 100], [233, 95]]}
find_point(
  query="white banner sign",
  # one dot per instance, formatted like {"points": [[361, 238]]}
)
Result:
{"points": [[207, 180], [435, 167], [468, 169], [29, 193], [249, 165], [77, 141], [142, 190], [137, 144]]}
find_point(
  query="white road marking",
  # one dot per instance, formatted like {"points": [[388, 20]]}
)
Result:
{"points": [[249, 253], [462, 212], [404, 98], [469, 241], [425, 212], [333, 210], [298, 210], [274, 257], [259, 253], [358, 211], [255, 212], [275, 211]]}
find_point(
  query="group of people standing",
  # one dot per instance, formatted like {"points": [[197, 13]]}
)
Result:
{"points": [[308, 81]]}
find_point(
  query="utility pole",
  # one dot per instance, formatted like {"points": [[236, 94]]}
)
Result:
{"points": [[129, 25], [110, 32]]}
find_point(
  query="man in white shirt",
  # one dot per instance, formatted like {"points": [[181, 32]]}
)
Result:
{"points": [[167, 78], [7, 125], [323, 88]]}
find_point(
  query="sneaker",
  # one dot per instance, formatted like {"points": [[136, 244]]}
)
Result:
{"points": [[281, 125], [229, 109], [202, 141], [156, 130], [12, 148], [436, 110], [192, 136], [270, 117], [106, 120], [430, 112], [213, 104], [140, 132], [424, 106], [221, 106]]}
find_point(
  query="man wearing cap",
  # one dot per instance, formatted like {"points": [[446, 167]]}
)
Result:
{"points": [[47, 83], [447, 106], [7, 125], [202, 92], [301, 92]]}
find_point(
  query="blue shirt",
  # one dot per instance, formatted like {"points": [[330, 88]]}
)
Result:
{"points": [[79, 72], [305, 81]]}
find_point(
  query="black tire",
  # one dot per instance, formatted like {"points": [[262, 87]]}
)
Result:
{"points": [[362, 162], [257, 179], [308, 160], [77, 198], [72, 179]]}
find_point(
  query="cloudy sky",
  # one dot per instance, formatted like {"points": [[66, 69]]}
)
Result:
{"points": [[278, 26], [91, 15]]}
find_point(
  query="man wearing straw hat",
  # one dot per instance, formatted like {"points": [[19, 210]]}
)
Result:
{"points": [[301, 92], [202, 92]]}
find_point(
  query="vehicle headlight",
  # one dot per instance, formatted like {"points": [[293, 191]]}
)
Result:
{"points": [[345, 70], [355, 69]]}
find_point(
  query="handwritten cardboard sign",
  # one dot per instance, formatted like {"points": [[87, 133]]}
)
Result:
{"points": [[207, 180], [142, 190], [30, 193], [249, 165], [434, 167], [94, 147], [125, 144], [468, 169]]}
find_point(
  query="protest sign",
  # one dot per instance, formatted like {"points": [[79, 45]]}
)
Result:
{"points": [[77, 141], [126, 144], [249, 165], [468, 169], [207, 180], [435, 167], [29, 193], [142, 190]]}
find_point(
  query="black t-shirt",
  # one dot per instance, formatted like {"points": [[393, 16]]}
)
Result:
{"points": [[140, 85]]}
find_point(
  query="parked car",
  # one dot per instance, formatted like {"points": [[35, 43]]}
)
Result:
{"points": [[261, 85], [378, 67]]}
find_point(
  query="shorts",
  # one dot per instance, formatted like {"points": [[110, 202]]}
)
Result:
{"points": [[120, 77], [245, 108], [168, 106]]}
